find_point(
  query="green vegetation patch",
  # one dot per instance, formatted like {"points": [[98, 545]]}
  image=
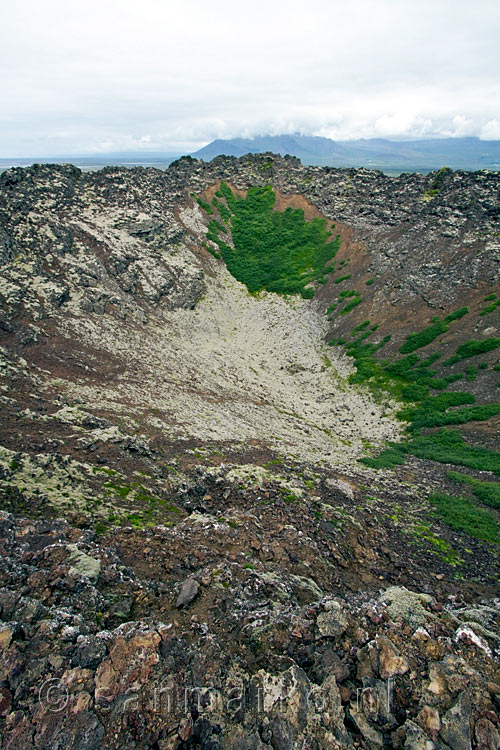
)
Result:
{"points": [[417, 340], [279, 251], [445, 446], [203, 204], [462, 514], [433, 411], [487, 492], [472, 348], [490, 308]]}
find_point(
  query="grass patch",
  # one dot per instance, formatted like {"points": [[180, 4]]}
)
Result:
{"points": [[462, 514], [343, 278]]}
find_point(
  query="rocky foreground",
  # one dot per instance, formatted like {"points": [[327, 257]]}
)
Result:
{"points": [[192, 555]]}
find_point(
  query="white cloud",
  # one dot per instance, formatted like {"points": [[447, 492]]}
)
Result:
{"points": [[164, 76], [461, 126], [490, 131]]}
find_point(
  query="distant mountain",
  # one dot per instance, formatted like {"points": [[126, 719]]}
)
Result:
{"points": [[378, 153]]}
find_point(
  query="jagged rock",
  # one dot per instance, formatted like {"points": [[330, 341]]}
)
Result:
{"points": [[416, 739], [390, 661], [83, 564], [428, 718], [332, 622], [189, 591], [455, 724], [238, 739], [128, 667], [486, 734], [371, 735], [408, 605]]}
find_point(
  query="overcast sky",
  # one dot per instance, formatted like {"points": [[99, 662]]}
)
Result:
{"points": [[113, 75]]}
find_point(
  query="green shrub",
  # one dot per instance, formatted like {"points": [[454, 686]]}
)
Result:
{"points": [[456, 315], [273, 250], [461, 514], [415, 392], [449, 447], [472, 348], [428, 335], [360, 327], [343, 278], [490, 308], [490, 297], [351, 305], [471, 374], [203, 204], [385, 460], [487, 492], [369, 282], [424, 418]]}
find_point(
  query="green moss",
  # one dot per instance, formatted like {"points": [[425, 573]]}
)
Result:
{"points": [[438, 546], [104, 470], [121, 490], [462, 514]]}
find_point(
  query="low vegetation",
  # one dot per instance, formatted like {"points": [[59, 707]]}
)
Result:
{"points": [[279, 251], [462, 514], [417, 340]]}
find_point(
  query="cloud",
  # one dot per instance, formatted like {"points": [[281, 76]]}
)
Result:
{"points": [[490, 131], [164, 76]]}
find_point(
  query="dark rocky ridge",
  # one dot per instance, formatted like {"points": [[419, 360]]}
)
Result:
{"points": [[285, 628]]}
